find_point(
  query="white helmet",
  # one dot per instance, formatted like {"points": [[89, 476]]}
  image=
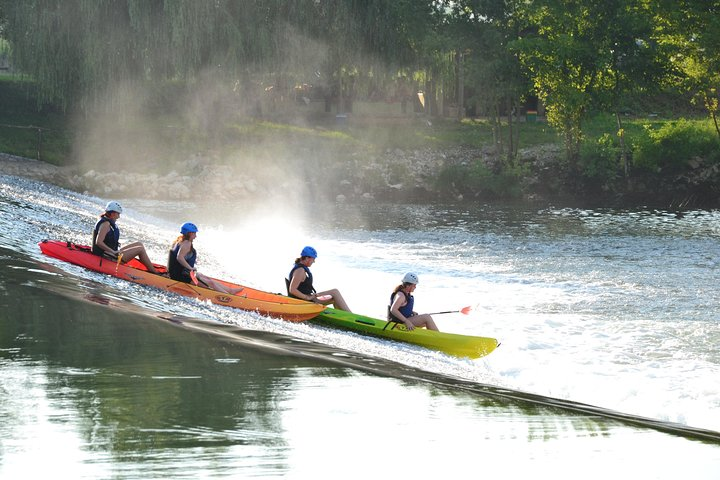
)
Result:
{"points": [[113, 207], [411, 278]]}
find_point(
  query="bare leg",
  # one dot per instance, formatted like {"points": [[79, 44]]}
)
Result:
{"points": [[337, 299], [217, 285], [137, 249], [424, 320]]}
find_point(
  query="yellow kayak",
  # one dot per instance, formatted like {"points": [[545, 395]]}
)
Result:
{"points": [[451, 343]]}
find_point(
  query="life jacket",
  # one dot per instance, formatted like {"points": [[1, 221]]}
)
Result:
{"points": [[175, 269], [112, 238], [407, 310], [306, 286]]}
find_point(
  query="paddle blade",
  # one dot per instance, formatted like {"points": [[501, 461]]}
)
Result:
{"points": [[193, 277], [465, 310], [324, 298]]}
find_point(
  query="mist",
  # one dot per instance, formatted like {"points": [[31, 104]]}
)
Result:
{"points": [[261, 141]]}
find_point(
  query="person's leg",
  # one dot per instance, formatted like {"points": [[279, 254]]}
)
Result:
{"points": [[137, 249], [424, 320], [337, 299], [217, 285]]}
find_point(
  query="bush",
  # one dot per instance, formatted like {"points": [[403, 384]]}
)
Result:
{"points": [[476, 180], [600, 160], [670, 148]]}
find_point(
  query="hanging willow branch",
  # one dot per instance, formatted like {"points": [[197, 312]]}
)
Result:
{"points": [[76, 49]]}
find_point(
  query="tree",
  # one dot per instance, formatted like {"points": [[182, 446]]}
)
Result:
{"points": [[692, 29], [561, 54], [75, 49], [483, 30]]}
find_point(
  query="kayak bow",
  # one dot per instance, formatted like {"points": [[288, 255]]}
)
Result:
{"points": [[451, 343], [250, 299]]}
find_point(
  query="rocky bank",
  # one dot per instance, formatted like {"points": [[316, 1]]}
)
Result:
{"points": [[392, 174]]}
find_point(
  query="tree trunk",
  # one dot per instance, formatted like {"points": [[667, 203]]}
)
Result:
{"points": [[623, 148], [461, 87], [498, 135], [341, 93], [511, 140], [712, 107], [517, 131]]}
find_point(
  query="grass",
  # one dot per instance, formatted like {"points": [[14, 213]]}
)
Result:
{"points": [[27, 132], [167, 136]]}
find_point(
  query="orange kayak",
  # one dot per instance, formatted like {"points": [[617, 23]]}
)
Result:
{"points": [[249, 299]]}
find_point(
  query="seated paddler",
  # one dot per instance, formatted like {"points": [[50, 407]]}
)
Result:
{"points": [[300, 282]]}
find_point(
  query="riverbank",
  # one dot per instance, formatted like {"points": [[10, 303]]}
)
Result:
{"points": [[393, 175]]}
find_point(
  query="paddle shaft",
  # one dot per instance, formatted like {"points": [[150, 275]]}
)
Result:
{"points": [[464, 311]]}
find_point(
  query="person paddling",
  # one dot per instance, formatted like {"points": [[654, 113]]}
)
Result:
{"points": [[402, 303], [182, 258], [300, 283], [106, 240]]}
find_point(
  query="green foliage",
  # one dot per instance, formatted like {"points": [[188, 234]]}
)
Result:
{"points": [[692, 30], [78, 50], [670, 147], [582, 53], [476, 180], [599, 159], [20, 122]]}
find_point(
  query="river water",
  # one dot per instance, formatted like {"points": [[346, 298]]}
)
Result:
{"points": [[608, 320]]}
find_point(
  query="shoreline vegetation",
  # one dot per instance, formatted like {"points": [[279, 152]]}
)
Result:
{"points": [[459, 101], [375, 153]]}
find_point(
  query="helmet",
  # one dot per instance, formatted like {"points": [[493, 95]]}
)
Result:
{"points": [[308, 252], [188, 227], [411, 278], [113, 207]]}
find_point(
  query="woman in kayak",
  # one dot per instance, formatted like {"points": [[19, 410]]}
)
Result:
{"points": [[402, 302], [300, 283], [106, 240], [181, 261]]}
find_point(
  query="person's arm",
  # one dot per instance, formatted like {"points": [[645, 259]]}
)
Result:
{"points": [[397, 304], [298, 277], [182, 251], [100, 239]]}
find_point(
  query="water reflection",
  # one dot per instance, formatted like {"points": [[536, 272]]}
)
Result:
{"points": [[115, 393]]}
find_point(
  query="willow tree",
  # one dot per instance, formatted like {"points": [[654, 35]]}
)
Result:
{"points": [[483, 30], [75, 48], [365, 35]]}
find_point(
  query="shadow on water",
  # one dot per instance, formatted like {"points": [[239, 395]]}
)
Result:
{"points": [[99, 344]]}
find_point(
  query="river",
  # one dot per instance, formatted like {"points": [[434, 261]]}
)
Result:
{"points": [[608, 366]]}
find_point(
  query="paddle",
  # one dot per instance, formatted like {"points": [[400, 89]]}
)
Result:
{"points": [[193, 277], [464, 311], [117, 265]]}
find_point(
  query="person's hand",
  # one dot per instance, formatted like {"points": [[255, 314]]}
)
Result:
{"points": [[409, 326]]}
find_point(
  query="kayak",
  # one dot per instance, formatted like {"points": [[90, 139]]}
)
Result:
{"points": [[250, 299], [450, 343]]}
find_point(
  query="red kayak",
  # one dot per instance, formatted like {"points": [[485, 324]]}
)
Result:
{"points": [[250, 299]]}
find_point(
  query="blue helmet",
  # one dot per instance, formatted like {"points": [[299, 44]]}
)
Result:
{"points": [[188, 227], [308, 252]]}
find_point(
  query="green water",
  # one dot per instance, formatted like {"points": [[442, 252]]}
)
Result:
{"points": [[91, 387]]}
